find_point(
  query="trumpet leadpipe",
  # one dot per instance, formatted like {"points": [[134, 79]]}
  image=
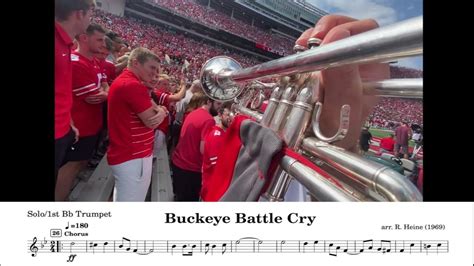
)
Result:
{"points": [[407, 88]]}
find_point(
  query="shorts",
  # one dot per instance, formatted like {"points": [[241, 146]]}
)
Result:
{"points": [[404, 149], [364, 147], [132, 179], [82, 150], [61, 146]]}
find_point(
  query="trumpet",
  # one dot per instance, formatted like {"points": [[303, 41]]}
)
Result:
{"points": [[294, 109]]}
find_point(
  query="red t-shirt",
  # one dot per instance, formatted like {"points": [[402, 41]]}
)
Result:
{"points": [[86, 79], [387, 144], [213, 143], [129, 138], [401, 134], [62, 82], [187, 155]]}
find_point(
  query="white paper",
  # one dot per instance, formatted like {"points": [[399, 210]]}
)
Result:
{"points": [[448, 222]]}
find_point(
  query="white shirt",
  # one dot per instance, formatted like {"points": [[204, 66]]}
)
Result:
{"points": [[416, 136], [181, 105]]}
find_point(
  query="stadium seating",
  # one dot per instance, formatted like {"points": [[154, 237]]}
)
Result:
{"points": [[216, 19]]}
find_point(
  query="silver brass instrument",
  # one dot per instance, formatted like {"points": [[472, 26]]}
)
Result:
{"points": [[294, 109]]}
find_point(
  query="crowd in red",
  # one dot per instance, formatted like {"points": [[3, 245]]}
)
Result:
{"points": [[216, 19], [399, 72], [390, 112], [177, 46]]}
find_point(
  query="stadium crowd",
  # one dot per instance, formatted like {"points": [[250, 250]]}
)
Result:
{"points": [[177, 47], [216, 19], [390, 112]]}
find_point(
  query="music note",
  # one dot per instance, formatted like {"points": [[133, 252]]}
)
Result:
{"points": [[136, 247], [34, 248], [103, 246], [172, 249], [150, 250], [70, 246], [281, 245], [347, 247], [385, 249], [245, 241], [411, 245], [224, 248], [437, 247], [236, 244], [67, 227], [403, 247], [314, 245], [128, 241], [371, 241], [330, 253], [426, 247], [188, 253], [206, 248], [212, 250], [93, 246], [259, 243], [304, 246]]}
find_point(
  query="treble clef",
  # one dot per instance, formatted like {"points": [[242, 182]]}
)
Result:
{"points": [[34, 248]]}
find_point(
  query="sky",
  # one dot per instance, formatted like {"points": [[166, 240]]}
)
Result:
{"points": [[385, 12]]}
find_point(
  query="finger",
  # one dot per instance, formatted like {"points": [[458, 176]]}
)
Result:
{"points": [[303, 39], [324, 25], [354, 27]]}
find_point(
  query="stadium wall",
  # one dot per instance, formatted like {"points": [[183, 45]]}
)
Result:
{"points": [[116, 7]]}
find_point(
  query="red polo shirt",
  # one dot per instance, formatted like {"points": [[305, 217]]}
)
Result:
{"points": [[129, 138], [86, 80], [62, 82], [213, 144]]}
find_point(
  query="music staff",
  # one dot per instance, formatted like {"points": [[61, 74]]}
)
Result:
{"points": [[242, 245]]}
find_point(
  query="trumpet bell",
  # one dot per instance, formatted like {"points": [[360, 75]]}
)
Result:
{"points": [[216, 89]]}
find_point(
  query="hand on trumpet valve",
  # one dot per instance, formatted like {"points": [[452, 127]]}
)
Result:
{"points": [[343, 85]]}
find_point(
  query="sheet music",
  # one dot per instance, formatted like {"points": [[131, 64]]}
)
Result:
{"points": [[236, 233]]}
